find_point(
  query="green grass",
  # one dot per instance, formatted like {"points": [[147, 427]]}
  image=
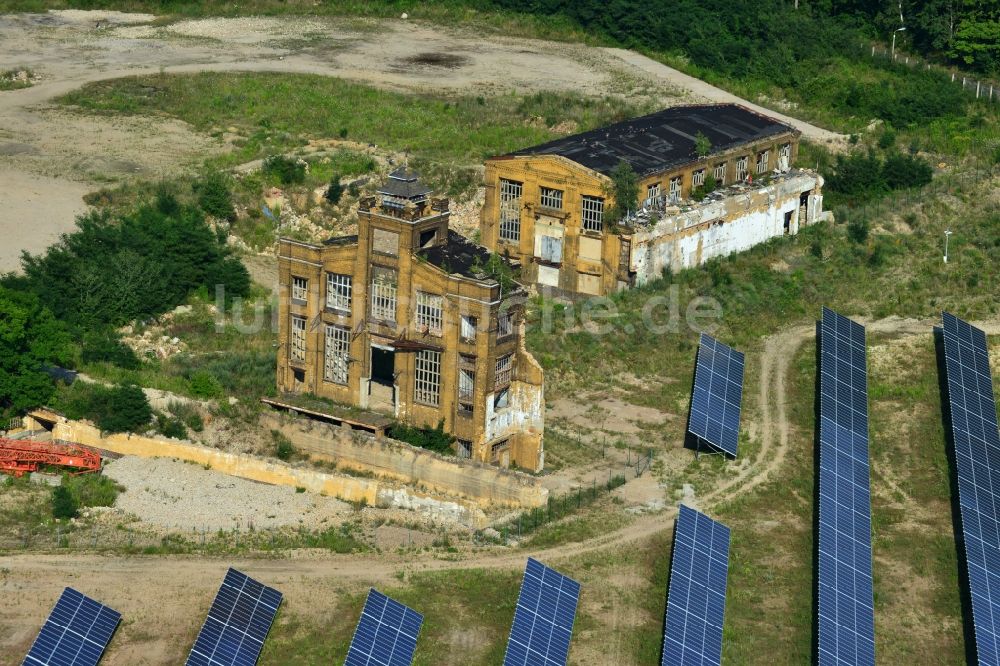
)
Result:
{"points": [[8, 80], [280, 111]]}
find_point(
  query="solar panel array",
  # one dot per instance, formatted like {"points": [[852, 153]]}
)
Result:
{"points": [[846, 615], [696, 600], [977, 457], [543, 620], [75, 633], [718, 395], [386, 634], [237, 623]]}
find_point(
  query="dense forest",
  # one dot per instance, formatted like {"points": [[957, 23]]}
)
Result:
{"points": [[767, 38]]}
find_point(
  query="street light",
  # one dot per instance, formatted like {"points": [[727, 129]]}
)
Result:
{"points": [[893, 56], [947, 233]]}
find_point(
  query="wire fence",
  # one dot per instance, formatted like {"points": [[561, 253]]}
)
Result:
{"points": [[981, 87]]}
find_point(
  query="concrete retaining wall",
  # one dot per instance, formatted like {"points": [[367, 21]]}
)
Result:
{"points": [[388, 458], [352, 489]]}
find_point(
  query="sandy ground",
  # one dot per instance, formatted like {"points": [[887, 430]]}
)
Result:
{"points": [[66, 154]]}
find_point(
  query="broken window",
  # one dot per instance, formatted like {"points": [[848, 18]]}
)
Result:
{"points": [[510, 210], [551, 198], [741, 168], [300, 287], [430, 312], [497, 449], [592, 214], [504, 371], [762, 159], [720, 173], [501, 399], [383, 294], [464, 449], [337, 354], [698, 178], [338, 291], [505, 324], [468, 327], [785, 156], [297, 344], [466, 383], [427, 380], [652, 193], [675, 189], [427, 237]]}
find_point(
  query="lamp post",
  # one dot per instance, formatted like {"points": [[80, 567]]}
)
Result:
{"points": [[947, 233], [893, 56]]}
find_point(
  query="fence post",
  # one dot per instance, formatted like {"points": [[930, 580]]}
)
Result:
{"points": [[977, 89]]}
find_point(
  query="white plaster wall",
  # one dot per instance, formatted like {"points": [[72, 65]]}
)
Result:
{"points": [[525, 412], [749, 218]]}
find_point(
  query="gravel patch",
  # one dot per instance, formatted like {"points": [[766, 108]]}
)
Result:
{"points": [[173, 494]]}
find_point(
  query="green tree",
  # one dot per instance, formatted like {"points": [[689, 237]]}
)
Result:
{"points": [[64, 504], [624, 190], [702, 145], [215, 196], [30, 340], [334, 191]]}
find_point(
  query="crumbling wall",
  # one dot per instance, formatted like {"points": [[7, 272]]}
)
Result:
{"points": [[686, 239], [482, 483]]}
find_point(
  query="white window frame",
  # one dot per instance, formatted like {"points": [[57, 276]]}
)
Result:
{"points": [[429, 312], [675, 188], [720, 173], [300, 288], [427, 377], [504, 371], [742, 168], [698, 178], [511, 192], [652, 192], [469, 324], [338, 291], [763, 157], [337, 354], [297, 339], [505, 323], [549, 197], [384, 295], [466, 384], [592, 214]]}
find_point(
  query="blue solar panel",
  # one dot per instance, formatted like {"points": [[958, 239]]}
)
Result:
{"points": [[696, 600], [75, 634], [237, 624], [718, 395], [543, 621], [977, 456], [386, 633], [846, 602]]}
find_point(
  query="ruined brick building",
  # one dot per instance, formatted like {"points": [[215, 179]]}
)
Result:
{"points": [[545, 206], [403, 318]]}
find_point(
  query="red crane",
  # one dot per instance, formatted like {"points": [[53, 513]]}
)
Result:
{"points": [[20, 456]]}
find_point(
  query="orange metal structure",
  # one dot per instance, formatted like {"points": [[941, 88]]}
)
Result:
{"points": [[19, 456]]}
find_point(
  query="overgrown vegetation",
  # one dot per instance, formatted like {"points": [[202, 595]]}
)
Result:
{"points": [[80, 491], [433, 439], [31, 340], [624, 192], [113, 409], [859, 177]]}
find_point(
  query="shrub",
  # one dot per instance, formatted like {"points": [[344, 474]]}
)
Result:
{"points": [[215, 196], [887, 139], [435, 439], [857, 230], [205, 385], [335, 191], [287, 170], [105, 347], [906, 171], [114, 409], [171, 426], [283, 448], [64, 505], [92, 489]]}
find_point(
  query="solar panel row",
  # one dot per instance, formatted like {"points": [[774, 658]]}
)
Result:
{"points": [[696, 600], [75, 633], [386, 634], [846, 621], [237, 624], [543, 620], [718, 395], [972, 408]]}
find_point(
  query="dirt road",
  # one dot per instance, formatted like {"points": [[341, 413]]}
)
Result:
{"points": [[63, 154]]}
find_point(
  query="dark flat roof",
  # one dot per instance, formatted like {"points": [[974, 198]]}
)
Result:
{"points": [[662, 140], [456, 255], [341, 240]]}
